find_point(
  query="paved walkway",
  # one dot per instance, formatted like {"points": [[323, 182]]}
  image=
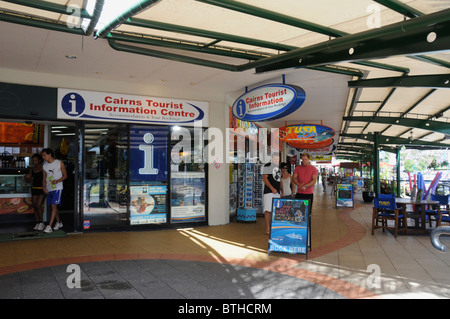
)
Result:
{"points": [[229, 262]]}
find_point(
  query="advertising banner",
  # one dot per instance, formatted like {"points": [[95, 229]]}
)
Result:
{"points": [[344, 195], [188, 197], [110, 107], [307, 136], [290, 226], [149, 153], [16, 205], [148, 204], [268, 102]]}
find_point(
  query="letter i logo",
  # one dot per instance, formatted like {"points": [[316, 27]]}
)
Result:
{"points": [[240, 109], [148, 168], [73, 104]]}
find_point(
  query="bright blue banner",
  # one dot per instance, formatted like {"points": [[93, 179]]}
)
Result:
{"points": [[289, 232], [149, 153], [344, 195]]}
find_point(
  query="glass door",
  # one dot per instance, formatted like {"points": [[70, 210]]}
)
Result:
{"points": [[63, 140], [105, 176], [188, 176]]}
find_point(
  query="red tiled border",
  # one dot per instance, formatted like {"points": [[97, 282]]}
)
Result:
{"points": [[279, 265]]}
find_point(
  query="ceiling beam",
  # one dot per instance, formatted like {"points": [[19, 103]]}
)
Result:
{"points": [[48, 6], [184, 45], [274, 16], [435, 126], [295, 22], [402, 38], [170, 56], [392, 140], [430, 81], [400, 7], [432, 60], [150, 24], [122, 17], [38, 22]]}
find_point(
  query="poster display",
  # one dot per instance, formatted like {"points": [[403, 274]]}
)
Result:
{"points": [[16, 204], [188, 197], [148, 204], [19, 133], [344, 195], [290, 226]]}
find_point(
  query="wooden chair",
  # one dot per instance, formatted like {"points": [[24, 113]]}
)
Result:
{"points": [[384, 210]]}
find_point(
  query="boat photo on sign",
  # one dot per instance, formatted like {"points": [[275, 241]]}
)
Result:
{"points": [[268, 102], [290, 226]]}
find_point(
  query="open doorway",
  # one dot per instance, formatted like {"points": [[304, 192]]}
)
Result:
{"points": [[63, 140]]}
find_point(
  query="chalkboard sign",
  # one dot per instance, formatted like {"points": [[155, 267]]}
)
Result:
{"points": [[290, 226], [344, 195]]}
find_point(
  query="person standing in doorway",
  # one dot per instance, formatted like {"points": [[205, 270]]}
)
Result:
{"points": [[272, 180], [53, 177], [305, 177], [35, 176]]}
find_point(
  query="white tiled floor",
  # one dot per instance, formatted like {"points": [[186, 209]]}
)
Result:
{"points": [[409, 266]]}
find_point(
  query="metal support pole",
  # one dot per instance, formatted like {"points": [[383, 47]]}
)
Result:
{"points": [[398, 171], [376, 157]]}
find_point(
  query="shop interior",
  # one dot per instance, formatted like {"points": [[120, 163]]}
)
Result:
{"points": [[18, 142], [107, 193]]}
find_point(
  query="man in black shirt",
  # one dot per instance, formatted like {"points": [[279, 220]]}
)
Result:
{"points": [[271, 178]]}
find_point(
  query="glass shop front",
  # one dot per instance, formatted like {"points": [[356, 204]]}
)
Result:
{"points": [[121, 176]]}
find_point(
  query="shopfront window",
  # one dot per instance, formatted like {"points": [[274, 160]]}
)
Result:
{"points": [[105, 176], [149, 175], [188, 182]]}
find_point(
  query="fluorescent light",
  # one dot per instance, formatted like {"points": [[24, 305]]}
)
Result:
{"points": [[111, 11]]}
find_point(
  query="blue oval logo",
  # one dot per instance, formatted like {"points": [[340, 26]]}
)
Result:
{"points": [[268, 102]]}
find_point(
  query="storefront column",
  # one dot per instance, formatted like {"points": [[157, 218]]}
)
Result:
{"points": [[218, 170]]}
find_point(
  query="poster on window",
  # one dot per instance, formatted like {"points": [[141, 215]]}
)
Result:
{"points": [[289, 231], [148, 204], [344, 195], [187, 197]]}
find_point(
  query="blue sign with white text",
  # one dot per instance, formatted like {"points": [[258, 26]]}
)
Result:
{"points": [[268, 102], [148, 153], [289, 232]]}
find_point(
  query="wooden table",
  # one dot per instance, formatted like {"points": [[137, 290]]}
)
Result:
{"points": [[419, 210]]}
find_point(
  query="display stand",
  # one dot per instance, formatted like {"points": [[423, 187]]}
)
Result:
{"points": [[344, 195], [250, 192], [290, 229]]}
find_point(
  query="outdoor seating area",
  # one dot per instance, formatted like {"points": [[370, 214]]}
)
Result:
{"points": [[409, 215]]}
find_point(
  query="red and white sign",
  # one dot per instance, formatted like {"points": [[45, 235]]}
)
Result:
{"points": [[102, 106]]}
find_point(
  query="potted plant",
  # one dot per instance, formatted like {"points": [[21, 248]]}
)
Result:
{"points": [[368, 193]]}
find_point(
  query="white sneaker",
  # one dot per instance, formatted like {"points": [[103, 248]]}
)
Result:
{"points": [[48, 229], [36, 226], [58, 225], [40, 226]]}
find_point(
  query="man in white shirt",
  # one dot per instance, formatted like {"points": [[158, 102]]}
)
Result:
{"points": [[54, 175]]}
